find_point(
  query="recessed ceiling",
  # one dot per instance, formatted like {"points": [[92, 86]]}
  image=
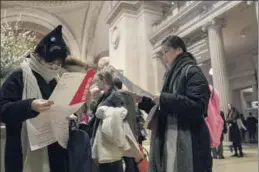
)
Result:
{"points": [[240, 21]]}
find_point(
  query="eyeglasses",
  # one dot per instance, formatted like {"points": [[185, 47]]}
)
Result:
{"points": [[57, 63]]}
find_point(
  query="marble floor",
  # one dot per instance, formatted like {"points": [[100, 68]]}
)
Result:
{"points": [[249, 163]]}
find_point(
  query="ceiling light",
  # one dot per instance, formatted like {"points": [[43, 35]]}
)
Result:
{"points": [[249, 2], [172, 3], [243, 35], [211, 71]]}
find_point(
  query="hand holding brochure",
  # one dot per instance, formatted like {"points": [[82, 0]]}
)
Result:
{"points": [[51, 126]]}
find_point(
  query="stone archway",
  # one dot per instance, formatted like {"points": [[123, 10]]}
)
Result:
{"points": [[43, 19]]}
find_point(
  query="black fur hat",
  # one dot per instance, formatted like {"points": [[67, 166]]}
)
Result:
{"points": [[52, 46]]}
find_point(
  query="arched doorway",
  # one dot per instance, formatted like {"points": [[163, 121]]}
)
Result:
{"points": [[41, 21]]}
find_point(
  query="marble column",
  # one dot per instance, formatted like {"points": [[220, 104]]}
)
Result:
{"points": [[243, 102], [220, 77], [255, 92], [130, 49], [256, 8]]}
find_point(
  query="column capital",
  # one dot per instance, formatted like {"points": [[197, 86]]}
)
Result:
{"points": [[250, 2], [133, 7], [215, 23]]}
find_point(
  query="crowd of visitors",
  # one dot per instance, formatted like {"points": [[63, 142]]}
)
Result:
{"points": [[110, 127]]}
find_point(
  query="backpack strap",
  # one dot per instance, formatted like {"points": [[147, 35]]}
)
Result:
{"points": [[212, 93], [187, 70]]}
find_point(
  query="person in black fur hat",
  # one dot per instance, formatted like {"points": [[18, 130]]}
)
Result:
{"points": [[53, 47], [23, 96]]}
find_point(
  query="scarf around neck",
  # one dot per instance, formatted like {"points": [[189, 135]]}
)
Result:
{"points": [[160, 135], [36, 160], [39, 68], [176, 67]]}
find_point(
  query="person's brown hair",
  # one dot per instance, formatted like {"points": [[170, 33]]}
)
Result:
{"points": [[105, 74]]}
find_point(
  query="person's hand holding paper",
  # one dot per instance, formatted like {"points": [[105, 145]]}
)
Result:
{"points": [[156, 98], [52, 124], [41, 105]]}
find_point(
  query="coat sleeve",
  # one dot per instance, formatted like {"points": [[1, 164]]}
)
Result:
{"points": [[233, 118], [194, 103], [146, 104], [12, 108], [225, 128]]}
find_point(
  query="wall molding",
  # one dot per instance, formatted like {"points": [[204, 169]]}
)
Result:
{"points": [[195, 23]]}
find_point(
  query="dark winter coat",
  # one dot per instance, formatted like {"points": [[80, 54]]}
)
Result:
{"points": [[13, 112], [79, 150], [181, 132], [251, 124], [225, 127], [234, 131], [131, 116]]}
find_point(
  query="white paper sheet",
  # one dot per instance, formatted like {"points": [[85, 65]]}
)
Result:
{"points": [[52, 126]]}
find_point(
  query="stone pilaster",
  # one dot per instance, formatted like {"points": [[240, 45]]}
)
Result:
{"points": [[220, 78], [130, 49], [255, 92], [256, 8]]}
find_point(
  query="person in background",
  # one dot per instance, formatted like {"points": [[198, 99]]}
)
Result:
{"points": [[111, 98], [243, 131], [130, 164], [74, 65], [180, 139], [234, 131], [252, 128], [141, 131], [23, 96], [218, 152]]}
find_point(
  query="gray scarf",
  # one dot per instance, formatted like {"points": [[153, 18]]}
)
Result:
{"points": [[45, 72], [36, 160]]}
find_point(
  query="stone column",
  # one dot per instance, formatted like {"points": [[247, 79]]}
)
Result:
{"points": [[256, 8], [220, 77], [255, 92], [130, 49]]}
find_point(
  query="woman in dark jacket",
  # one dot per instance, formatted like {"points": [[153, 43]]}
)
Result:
{"points": [[110, 97], [234, 131], [23, 96], [180, 140]]}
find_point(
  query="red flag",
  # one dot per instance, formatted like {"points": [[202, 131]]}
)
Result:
{"points": [[82, 92]]}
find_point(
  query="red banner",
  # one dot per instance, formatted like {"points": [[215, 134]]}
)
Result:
{"points": [[82, 92]]}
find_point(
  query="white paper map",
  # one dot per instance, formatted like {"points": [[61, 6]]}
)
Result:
{"points": [[68, 96]]}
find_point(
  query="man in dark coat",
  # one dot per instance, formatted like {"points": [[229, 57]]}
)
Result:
{"points": [[111, 97], [251, 127], [234, 131], [218, 152], [130, 163], [180, 140], [23, 96]]}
